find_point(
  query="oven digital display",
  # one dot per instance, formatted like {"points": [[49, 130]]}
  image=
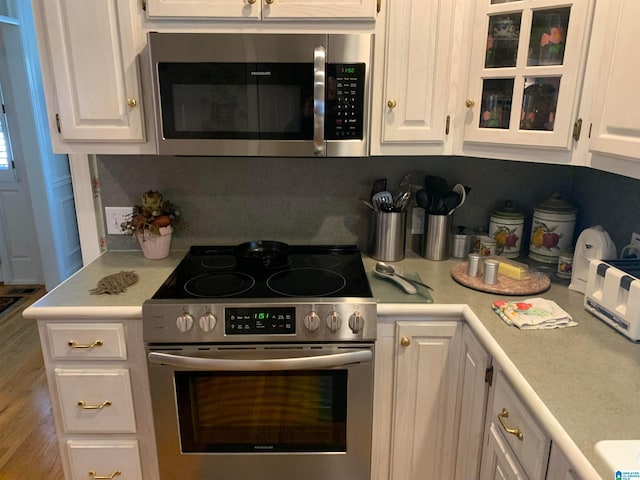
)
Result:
{"points": [[260, 321]]}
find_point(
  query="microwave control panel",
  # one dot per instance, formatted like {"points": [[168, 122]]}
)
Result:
{"points": [[344, 101]]}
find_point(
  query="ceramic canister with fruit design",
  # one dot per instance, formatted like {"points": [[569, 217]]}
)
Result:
{"points": [[551, 229], [506, 226]]}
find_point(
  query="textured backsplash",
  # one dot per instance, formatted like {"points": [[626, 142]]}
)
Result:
{"points": [[315, 200]]}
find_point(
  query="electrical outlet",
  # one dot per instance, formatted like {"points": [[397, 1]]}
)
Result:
{"points": [[635, 240], [114, 216]]}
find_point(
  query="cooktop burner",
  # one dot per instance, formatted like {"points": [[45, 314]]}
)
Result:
{"points": [[309, 271]]}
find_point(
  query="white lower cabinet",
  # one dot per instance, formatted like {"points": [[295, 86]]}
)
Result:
{"points": [[423, 440], [104, 425], [104, 459], [499, 462], [515, 446], [429, 401], [473, 389], [96, 400], [559, 466]]}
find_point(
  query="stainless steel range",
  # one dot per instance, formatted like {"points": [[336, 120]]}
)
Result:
{"points": [[261, 364]]}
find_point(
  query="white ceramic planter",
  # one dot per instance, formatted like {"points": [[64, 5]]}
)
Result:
{"points": [[155, 247]]}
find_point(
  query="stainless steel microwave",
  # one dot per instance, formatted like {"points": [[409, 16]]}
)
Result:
{"points": [[261, 94]]}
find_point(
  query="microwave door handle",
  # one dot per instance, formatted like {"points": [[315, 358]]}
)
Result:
{"points": [[319, 64], [271, 364]]}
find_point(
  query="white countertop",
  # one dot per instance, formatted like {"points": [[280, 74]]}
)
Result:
{"points": [[581, 380]]}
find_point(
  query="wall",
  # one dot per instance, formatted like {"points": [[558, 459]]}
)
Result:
{"points": [[311, 200]]}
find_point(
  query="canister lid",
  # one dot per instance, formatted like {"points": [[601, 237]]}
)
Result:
{"points": [[555, 204], [508, 211]]}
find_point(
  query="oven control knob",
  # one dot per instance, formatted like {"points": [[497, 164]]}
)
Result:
{"points": [[184, 322], [208, 321], [356, 322], [334, 322], [311, 321]]}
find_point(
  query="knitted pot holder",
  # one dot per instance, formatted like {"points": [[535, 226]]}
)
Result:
{"points": [[115, 283]]}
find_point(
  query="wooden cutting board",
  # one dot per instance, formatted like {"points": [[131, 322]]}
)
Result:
{"points": [[536, 282]]}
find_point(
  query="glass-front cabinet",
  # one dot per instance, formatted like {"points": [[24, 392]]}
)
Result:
{"points": [[525, 76]]}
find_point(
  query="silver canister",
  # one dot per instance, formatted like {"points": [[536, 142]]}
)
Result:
{"points": [[387, 236], [490, 275], [474, 269], [460, 244], [436, 237]]}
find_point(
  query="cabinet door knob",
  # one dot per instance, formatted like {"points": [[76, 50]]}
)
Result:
{"points": [[470, 102], [132, 102], [268, 2], [251, 2], [405, 341], [513, 431], [391, 103]]}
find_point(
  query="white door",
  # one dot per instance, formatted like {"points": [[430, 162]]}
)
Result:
{"points": [[38, 228], [19, 257]]}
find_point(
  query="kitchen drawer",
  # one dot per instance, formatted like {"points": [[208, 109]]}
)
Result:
{"points": [[104, 459], [95, 400], [499, 461], [532, 447], [89, 341]]}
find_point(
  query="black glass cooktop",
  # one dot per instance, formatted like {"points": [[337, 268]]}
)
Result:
{"points": [[306, 271]]}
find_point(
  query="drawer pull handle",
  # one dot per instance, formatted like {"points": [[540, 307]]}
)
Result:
{"points": [[93, 474], [74, 344], [514, 431], [84, 406]]}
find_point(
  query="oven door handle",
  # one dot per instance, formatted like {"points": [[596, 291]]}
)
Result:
{"points": [[295, 363]]}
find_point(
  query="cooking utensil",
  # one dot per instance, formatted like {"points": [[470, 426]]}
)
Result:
{"points": [[437, 185], [396, 272], [402, 201], [413, 181], [379, 185], [262, 253], [423, 199], [368, 203], [450, 201], [462, 190], [404, 284], [383, 200]]}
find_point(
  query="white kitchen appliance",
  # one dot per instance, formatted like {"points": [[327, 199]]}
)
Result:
{"points": [[593, 243], [613, 294]]}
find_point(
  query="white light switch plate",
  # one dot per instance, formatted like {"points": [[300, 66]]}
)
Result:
{"points": [[114, 216]]}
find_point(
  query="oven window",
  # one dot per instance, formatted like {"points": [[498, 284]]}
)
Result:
{"points": [[272, 101], [290, 411]]}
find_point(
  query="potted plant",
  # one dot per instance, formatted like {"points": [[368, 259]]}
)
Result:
{"points": [[152, 224]]}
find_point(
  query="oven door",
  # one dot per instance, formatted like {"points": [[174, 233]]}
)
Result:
{"points": [[263, 411]]}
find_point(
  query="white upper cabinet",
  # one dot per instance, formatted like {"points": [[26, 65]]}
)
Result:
{"points": [[263, 9], [412, 78], [615, 130], [525, 73], [89, 50]]}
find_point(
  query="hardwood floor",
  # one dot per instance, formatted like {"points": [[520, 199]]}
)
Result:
{"points": [[28, 444]]}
